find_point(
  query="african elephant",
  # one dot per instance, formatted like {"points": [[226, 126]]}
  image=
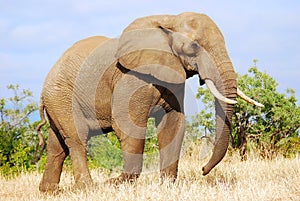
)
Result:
{"points": [[102, 85]]}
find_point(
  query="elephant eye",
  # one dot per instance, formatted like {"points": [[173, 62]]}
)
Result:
{"points": [[191, 49], [195, 46]]}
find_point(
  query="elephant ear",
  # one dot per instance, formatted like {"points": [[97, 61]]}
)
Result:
{"points": [[148, 51]]}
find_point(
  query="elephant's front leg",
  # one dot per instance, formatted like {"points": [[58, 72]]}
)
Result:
{"points": [[130, 113], [170, 136], [130, 129], [132, 150]]}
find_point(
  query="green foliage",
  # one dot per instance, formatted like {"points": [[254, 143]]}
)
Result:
{"points": [[269, 127], [270, 130], [105, 150], [151, 144], [151, 152], [18, 139]]}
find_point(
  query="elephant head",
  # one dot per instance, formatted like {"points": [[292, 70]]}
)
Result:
{"points": [[195, 40]]}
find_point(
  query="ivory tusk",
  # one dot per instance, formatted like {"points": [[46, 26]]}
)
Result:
{"points": [[246, 98], [212, 88]]}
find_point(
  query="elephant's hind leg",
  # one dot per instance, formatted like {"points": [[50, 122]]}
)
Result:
{"points": [[56, 154], [78, 155]]}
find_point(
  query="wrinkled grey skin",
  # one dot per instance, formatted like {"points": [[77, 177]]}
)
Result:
{"points": [[101, 85]]}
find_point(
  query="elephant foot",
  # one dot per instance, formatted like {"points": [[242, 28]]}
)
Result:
{"points": [[83, 185], [165, 178], [123, 178], [169, 173], [49, 188]]}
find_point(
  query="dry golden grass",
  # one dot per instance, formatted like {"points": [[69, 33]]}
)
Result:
{"points": [[254, 179]]}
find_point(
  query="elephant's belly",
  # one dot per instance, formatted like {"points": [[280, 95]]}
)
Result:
{"points": [[105, 125], [90, 126], [104, 119]]}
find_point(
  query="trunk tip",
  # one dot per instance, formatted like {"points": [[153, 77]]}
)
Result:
{"points": [[205, 170]]}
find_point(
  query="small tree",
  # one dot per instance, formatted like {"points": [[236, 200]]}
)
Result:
{"points": [[18, 141], [272, 129]]}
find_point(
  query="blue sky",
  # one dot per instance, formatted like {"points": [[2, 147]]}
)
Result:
{"points": [[33, 34]]}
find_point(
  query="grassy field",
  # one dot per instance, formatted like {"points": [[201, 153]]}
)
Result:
{"points": [[232, 179]]}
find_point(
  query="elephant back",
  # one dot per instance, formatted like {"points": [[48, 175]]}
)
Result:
{"points": [[66, 85]]}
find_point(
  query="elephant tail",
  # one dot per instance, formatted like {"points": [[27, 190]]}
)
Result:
{"points": [[42, 142]]}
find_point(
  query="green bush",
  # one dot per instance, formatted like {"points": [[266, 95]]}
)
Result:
{"points": [[18, 150]]}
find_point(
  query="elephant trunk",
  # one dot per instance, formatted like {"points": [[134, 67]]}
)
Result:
{"points": [[227, 86]]}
